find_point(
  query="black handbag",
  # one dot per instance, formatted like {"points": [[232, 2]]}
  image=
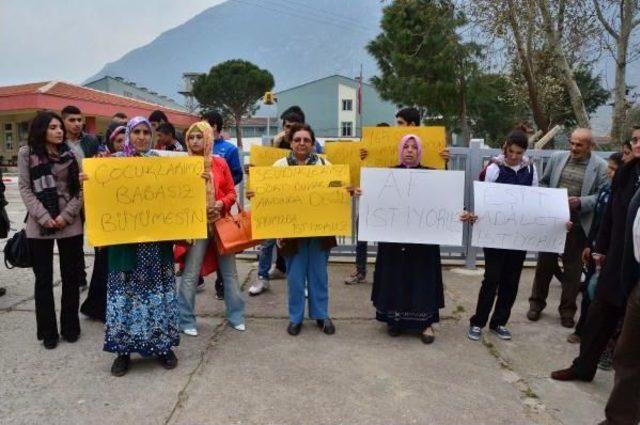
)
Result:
{"points": [[16, 251]]}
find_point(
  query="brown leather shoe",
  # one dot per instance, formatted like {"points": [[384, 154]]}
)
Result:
{"points": [[573, 339], [533, 315], [567, 322], [567, 374]]}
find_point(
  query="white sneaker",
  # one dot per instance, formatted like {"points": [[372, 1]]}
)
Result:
{"points": [[275, 274], [190, 332], [260, 286], [241, 327]]}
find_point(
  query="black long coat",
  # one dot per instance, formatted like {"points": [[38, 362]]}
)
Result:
{"points": [[630, 268], [611, 237]]}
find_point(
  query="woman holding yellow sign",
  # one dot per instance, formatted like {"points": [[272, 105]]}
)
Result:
{"points": [[142, 314], [306, 258], [201, 257]]}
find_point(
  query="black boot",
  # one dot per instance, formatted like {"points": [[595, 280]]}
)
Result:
{"points": [[327, 326], [219, 288], [120, 365], [169, 360]]}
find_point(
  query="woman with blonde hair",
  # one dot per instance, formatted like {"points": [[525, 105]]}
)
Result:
{"points": [[200, 257]]}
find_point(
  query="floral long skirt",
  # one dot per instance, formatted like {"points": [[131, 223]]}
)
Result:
{"points": [[142, 315]]}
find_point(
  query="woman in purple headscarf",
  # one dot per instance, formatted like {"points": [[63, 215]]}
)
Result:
{"points": [[407, 282], [142, 314]]}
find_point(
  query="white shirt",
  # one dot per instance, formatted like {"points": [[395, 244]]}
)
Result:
{"points": [[636, 236], [493, 171], [76, 149]]}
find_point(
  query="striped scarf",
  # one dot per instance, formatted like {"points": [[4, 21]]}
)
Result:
{"points": [[312, 159], [43, 182]]}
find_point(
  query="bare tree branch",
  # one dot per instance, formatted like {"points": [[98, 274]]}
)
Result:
{"points": [[603, 21]]}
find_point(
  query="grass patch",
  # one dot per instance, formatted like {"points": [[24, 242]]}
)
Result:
{"points": [[495, 353]]}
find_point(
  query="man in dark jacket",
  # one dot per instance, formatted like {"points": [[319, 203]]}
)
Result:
{"points": [[612, 291], [624, 402], [83, 145]]}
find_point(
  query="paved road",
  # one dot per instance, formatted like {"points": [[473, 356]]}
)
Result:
{"points": [[264, 376]]}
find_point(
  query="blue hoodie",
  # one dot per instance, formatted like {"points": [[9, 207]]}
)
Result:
{"points": [[230, 153]]}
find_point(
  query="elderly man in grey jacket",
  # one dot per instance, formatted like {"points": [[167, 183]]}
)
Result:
{"points": [[583, 174]]}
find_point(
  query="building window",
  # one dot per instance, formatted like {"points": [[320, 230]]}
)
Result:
{"points": [[23, 133], [347, 105], [346, 129], [8, 136], [127, 94]]}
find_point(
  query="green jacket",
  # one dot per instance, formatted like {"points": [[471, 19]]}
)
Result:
{"points": [[122, 258]]}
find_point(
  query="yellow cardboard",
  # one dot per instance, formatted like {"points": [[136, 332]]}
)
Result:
{"points": [[301, 201], [382, 145], [347, 153], [147, 199]]}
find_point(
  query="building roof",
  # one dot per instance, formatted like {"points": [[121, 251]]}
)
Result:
{"points": [[260, 121], [364, 83], [20, 89], [55, 95], [132, 85]]}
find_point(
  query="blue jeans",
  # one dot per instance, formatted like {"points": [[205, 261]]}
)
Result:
{"points": [[265, 258], [308, 265], [187, 288]]}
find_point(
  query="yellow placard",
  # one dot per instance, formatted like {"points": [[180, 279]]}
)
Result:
{"points": [[382, 145], [265, 156], [149, 199], [300, 201], [347, 153]]}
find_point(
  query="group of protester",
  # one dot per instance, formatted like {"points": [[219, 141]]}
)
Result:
{"points": [[134, 289], [133, 286]]}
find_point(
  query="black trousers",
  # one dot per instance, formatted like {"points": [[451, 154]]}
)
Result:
{"points": [[95, 304], [71, 263], [584, 309], [600, 326], [501, 278], [623, 407], [280, 263]]}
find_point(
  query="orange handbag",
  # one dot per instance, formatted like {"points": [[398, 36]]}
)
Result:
{"points": [[233, 232]]}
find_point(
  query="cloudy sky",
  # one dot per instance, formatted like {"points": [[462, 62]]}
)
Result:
{"points": [[71, 40]]}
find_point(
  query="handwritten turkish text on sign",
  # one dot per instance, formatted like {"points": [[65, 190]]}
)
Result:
{"points": [[300, 201], [520, 217], [411, 206], [150, 199], [346, 153], [382, 145], [266, 155]]}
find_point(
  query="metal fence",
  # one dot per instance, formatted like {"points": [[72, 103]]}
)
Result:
{"points": [[471, 160]]}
